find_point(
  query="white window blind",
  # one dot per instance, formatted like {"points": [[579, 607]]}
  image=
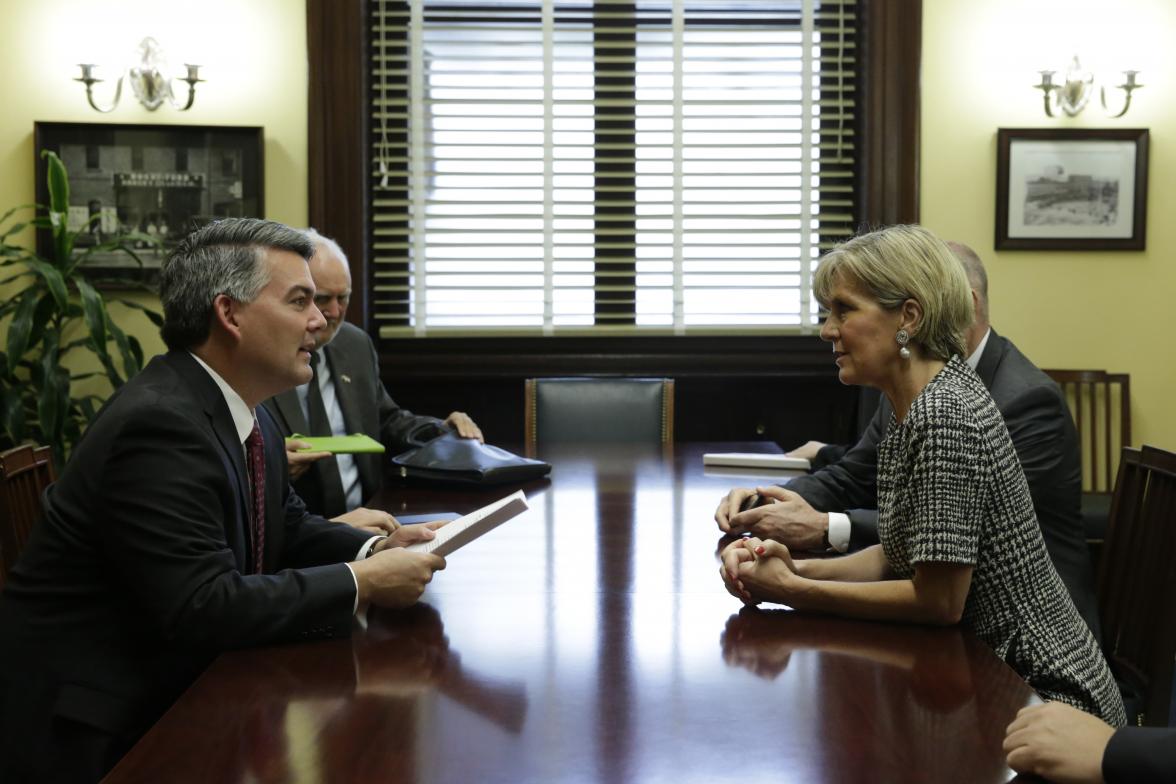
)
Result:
{"points": [[553, 166]]}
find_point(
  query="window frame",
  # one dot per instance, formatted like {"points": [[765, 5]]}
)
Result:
{"points": [[889, 46]]}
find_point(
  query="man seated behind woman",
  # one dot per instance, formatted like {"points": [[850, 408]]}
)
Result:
{"points": [[959, 539]]}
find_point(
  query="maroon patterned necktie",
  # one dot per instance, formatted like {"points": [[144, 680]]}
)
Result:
{"points": [[255, 453]]}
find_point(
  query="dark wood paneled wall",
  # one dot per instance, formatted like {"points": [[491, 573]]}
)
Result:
{"points": [[727, 388], [786, 410], [781, 389]]}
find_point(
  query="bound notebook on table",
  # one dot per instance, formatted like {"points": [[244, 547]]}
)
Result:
{"points": [[354, 443], [466, 529]]}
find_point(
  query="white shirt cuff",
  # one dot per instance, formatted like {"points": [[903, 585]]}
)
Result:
{"points": [[359, 557], [839, 531]]}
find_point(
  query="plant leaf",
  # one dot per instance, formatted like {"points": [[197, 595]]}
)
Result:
{"points": [[128, 356], [13, 211], [137, 352], [53, 280], [58, 182], [43, 315], [13, 229], [15, 277], [12, 416], [53, 397], [19, 330], [155, 316], [95, 311]]}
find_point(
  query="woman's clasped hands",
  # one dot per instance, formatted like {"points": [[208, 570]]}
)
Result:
{"points": [[756, 570]]}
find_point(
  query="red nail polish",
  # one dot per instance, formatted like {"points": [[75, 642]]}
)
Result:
{"points": [[760, 550]]}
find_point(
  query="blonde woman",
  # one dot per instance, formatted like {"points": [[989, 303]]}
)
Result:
{"points": [[959, 539]]}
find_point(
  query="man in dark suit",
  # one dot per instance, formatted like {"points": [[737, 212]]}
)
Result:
{"points": [[805, 514], [354, 400], [173, 534], [1064, 744]]}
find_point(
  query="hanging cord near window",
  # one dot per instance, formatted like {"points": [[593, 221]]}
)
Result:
{"points": [[840, 59], [382, 151]]}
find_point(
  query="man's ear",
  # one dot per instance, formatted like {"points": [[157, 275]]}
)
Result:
{"points": [[224, 315]]}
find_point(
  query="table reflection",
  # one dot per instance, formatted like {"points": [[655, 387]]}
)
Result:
{"points": [[937, 685]]}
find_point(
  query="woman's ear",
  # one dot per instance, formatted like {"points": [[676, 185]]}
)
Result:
{"points": [[910, 316]]}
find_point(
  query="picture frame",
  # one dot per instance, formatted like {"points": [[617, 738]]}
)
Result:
{"points": [[1071, 189], [159, 180]]}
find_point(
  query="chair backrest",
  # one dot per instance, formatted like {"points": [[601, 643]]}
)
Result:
{"points": [[1137, 582], [1101, 405], [630, 410], [25, 472]]}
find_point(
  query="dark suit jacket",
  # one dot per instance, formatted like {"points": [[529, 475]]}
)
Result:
{"points": [[367, 408], [1043, 434], [140, 573], [1140, 755]]}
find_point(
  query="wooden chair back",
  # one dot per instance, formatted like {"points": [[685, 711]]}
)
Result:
{"points": [[1101, 405], [1137, 583], [624, 410], [25, 472]]}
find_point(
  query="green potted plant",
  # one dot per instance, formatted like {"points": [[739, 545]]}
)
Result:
{"points": [[56, 313]]}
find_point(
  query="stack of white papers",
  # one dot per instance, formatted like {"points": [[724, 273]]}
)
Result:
{"points": [[755, 460], [466, 529]]}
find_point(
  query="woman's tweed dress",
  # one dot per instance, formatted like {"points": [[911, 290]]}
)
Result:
{"points": [[951, 490]]}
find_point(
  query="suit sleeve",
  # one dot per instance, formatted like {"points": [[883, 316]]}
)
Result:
{"points": [[1046, 442], [828, 455], [166, 542], [851, 482], [1038, 422], [1140, 755], [311, 540], [400, 429], [863, 528]]}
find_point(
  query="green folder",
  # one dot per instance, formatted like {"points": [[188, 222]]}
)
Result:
{"points": [[356, 442]]}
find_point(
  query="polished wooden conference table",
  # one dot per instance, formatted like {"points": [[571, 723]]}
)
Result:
{"points": [[591, 640]]}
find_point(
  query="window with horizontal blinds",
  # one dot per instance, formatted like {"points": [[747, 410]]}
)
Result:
{"points": [[555, 166]]}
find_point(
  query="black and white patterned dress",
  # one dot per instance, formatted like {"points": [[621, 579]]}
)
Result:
{"points": [[951, 490]]}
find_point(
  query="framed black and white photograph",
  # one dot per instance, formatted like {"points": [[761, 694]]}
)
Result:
{"points": [[160, 181], [1071, 189]]}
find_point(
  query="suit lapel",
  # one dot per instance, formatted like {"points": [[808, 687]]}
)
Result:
{"points": [[994, 351], [342, 376], [231, 451], [345, 376], [291, 411]]}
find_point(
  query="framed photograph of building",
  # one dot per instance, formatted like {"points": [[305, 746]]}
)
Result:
{"points": [[159, 180], [1071, 189]]}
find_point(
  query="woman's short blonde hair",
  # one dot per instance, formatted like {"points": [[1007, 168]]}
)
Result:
{"points": [[900, 263]]}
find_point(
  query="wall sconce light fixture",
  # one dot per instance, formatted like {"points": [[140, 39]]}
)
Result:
{"points": [[1072, 96], [148, 82]]}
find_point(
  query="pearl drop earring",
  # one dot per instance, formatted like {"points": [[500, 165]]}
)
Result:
{"points": [[902, 337]]}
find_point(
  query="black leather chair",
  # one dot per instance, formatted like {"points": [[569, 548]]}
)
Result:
{"points": [[1137, 583], [629, 410]]}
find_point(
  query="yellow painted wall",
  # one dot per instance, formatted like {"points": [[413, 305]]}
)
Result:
{"points": [[253, 55], [1064, 309], [1075, 310]]}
